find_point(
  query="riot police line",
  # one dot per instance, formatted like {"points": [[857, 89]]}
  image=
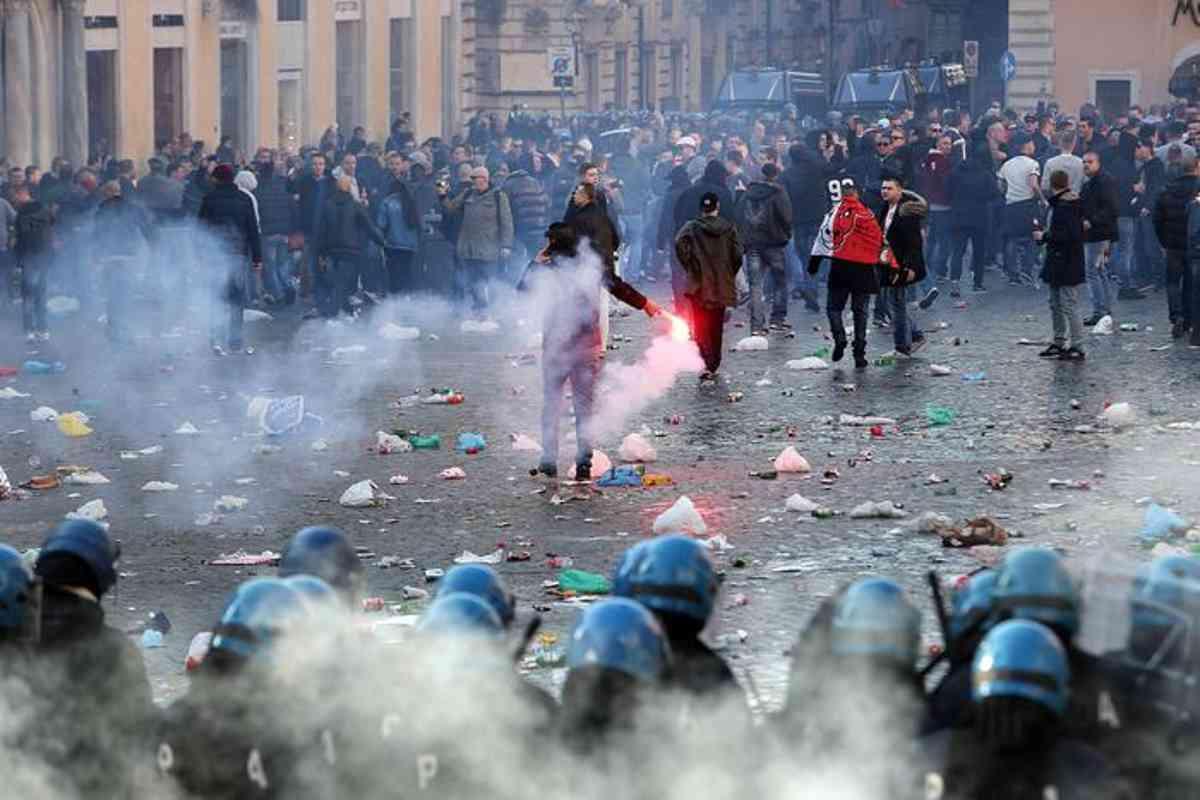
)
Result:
{"points": [[294, 700]]}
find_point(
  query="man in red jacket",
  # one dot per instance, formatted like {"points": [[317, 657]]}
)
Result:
{"points": [[851, 238]]}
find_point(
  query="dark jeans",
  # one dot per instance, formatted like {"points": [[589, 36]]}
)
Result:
{"points": [[277, 267], [835, 304], [1192, 296], [118, 286], [473, 276], [401, 276], [332, 284], [1179, 286], [7, 264], [938, 244], [766, 269], [708, 329], [904, 328], [976, 238], [225, 324], [1151, 263], [582, 368], [33, 295]]}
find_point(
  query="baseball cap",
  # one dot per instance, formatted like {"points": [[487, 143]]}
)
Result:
{"points": [[686, 141]]}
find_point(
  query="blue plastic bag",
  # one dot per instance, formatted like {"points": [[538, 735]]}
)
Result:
{"points": [[619, 477], [470, 443], [33, 367], [1161, 524], [151, 638]]}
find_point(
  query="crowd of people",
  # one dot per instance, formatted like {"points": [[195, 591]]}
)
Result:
{"points": [[294, 694]]}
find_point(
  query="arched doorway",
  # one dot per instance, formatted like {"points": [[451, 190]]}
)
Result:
{"points": [[1185, 81]]}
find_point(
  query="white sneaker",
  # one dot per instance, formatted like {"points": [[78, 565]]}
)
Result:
{"points": [[31, 337], [44, 336]]}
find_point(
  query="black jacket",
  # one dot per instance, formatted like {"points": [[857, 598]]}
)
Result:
{"points": [[34, 229], [276, 208], [1063, 241], [345, 227], [972, 190], [161, 197], [668, 223], [805, 182], [1171, 212], [313, 194], [687, 207], [765, 215], [904, 239], [120, 226], [228, 213], [529, 203], [1153, 176], [593, 223], [1100, 203], [198, 185]]}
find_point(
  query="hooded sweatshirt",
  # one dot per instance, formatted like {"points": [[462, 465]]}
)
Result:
{"points": [[710, 252], [246, 181], [765, 215]]}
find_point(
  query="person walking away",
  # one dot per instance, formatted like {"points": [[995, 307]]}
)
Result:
{"points": [[902, 258], [400, 224], [852, 240], [972, 187], [485, 237], [277, 220], [229, 215], [1099, 205], [1022, 196], [121, 228], [8, 220], [571, 345], [1121, 166], [1150, 264], [710, 253], [766, 215], [311, 188], [33, 251], [1064, 270], [805, 181], [344, 227], [1171, 214]]}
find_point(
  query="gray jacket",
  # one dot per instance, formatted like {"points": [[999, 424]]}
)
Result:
{"points": [[487, 224]]}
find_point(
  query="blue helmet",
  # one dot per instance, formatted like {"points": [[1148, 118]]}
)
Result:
{"points": [[1034, 584], [874, 618], [1166, 598], [325, 553], [671, 574], [1019, 658], [17, 594], [87, 541], [621, 635], [259, 613], [314, 590], [483, 582], [972, 602], [461, 614]]}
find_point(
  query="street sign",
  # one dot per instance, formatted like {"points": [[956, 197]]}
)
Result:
{"points": [[1008, 66], [971, 58], [562, 66]]}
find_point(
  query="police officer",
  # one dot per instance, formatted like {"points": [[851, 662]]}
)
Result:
{"points": [[673, 576], [1017, 748], [327, 554], [970, 618], [20, 605]]}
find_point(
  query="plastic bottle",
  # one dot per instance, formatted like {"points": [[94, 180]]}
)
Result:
{"points": [[431, 442], [33, 367], [888, 360]]}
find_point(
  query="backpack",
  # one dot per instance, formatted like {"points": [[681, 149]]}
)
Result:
{"points": [[757, 216]]}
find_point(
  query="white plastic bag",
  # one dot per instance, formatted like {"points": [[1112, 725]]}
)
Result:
{"points": [[1104, 327], [1119, 415], [938, 370], [398, 333], [228, 503], [479, 326], [801, 504], [388, 443], [752, 343], [363, 494], [43, 414], [791, 461], [601, 464], [808, 363], [282, 414], [254, 315], [9, 393], [187, 429], [881, 510], [467, 557], [92, 509], [681, 518], [864, 422], [635, 448], [453, 474], [159, 486], [522, 442]]}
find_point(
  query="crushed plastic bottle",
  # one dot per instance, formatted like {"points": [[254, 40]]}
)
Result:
{"points": [[939, 415], [35, 367], [431, 442], [886, 360], [471, 443]]}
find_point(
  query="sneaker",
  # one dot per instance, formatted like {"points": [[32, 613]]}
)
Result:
{"points": [[1030, 281], [883, 322], [979, 288], [546, 471], [860, 361], [839, 350], [1178, 329], [760, 333], [917, 344], [781, 326], [708, 377], [31, 337], [904, 351], [1091, 321], [1131, 294], [955, 292], [1072, 354], [1053, 351], [583, 473], [930, 297]]}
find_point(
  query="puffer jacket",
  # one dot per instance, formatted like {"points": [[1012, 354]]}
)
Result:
{"points": [[765, 216], [904, 240], [1172, 210], [1100, 203], [487, 224], [276, 208], [710, 252], [344, 228], [529, 203]]}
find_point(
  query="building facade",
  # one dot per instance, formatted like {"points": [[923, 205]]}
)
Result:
{"points": [[121, 76]]}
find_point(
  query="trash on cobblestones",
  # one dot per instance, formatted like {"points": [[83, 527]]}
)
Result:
{"points": [[523, 442], [1183, 426], [752, 343], [344, 353], [159, 486], [864, 422], [371, 605], [364, 494], [998, 480], [682, 517], [886, 360], [319, 446], [978, 531], [452, 474], [1129, 327], [471, 443], [444, 397], [634, 447], [601, 464], [718, 544], [228, 503], [74, 424], [494, 557], [791, 461], [929, 522], [35, 367], [187, 429], [807, 363], [134, 455], [92, 509], [479, 326], [398, 333], [735, 397], [763, 382], [431, 442], [87, 477], [801, 504], [939, 415], [1119, 416], [618, 477], [765, 474], [43, 414], [1161, 523], [42, 483], [880, 510], [62, 304], [652, 479], [939, 370], [388, 443], [398, 480], [974, 377], [197, 650], [254, 315], [151, 639], [934, 478], [5, 485], [241, 558], [578, 581], [674, 419], [266, 449], [207, 518], [9, 393], [1104, 327], [395, 562], [282, 414], [1059, 483]]}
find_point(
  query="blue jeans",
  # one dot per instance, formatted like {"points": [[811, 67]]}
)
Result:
{"points": [[1151, 263], [766, 269], [1018, 256], [1097, 276], [33, 295], [473, 276], [1121, 263], [277, 266], [904, 329], [798, 255], [938, 245], [225, 321]]}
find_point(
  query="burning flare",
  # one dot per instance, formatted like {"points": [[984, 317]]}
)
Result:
{"points": [[679, 328]]}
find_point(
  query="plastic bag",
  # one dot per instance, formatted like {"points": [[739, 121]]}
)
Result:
{"points": [[74, 424], [398, 333], [752, 343], [619, 477], [938, 370], [363, 494], [801, 504], [283, 414], [527, 443], [9, 393], [865, 422], [87, 477], [43, 414], [479, 326], [634, 447], [470, 443], [468, 557], [791, 461], [581, 582], [1104, 327], [187, 429], [939, 415], [254, 315], [1119, 415], [1161, 523], [601, 464], [452, 474], [807, 363], [881, 510], [92, 509], [388, 443], [681, 518], [159, 486]]}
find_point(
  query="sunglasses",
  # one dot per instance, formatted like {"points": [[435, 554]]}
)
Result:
{"points": [[897, 138]]}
